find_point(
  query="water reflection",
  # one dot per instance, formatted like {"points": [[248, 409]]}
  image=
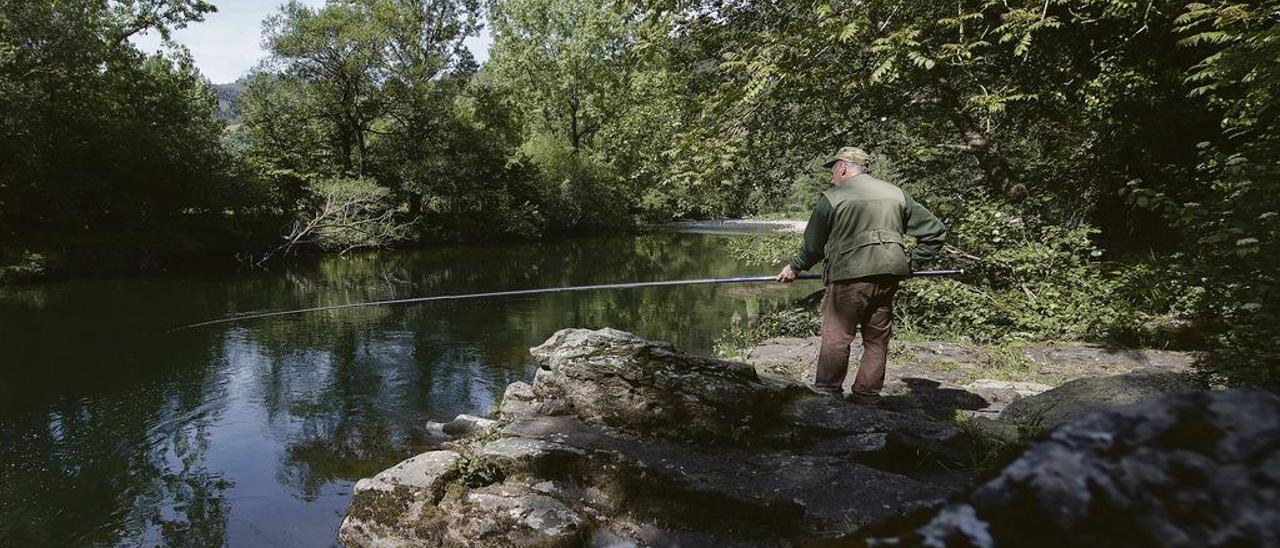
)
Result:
{"points": [[113, 433]]}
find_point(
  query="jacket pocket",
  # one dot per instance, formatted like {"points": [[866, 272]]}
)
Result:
{"points": [[874, 236]]}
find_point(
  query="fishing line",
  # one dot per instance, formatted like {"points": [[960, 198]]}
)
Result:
{"points": [[518, 292]]}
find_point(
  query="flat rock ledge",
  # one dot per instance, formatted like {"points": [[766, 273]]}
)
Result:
{"points": [[621, 441], [941, 379]]}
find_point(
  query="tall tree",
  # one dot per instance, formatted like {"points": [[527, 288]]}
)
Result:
{"points": [[108, 157], [567, 62], [337, 51], [597, 108]]}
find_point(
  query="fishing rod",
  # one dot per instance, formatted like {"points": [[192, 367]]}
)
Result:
{"points": [[519, 292]]}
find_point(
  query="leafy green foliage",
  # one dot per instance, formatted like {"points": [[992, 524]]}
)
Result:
{"points": [[109, 159], [596, 111], [350, 214], [1099, 131], [1033, 281], [475, 472], [1230, 214], [765, 250], [1025, 280], [743, 334], [29, 266]]}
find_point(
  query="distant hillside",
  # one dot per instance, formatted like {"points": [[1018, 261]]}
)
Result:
{"points": [[227, 93]]}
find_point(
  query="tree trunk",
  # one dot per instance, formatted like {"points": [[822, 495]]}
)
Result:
{"points": [[415, 205], [994, 167], [575, 138]]}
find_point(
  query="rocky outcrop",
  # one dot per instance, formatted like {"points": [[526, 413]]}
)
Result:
{"points": [[1079, 397], [616, 379], [939, 379], [629, 442], [397, 500], [1190, 469]]}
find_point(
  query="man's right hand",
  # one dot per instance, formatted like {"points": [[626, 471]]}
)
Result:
{"points": [[787, 275]]}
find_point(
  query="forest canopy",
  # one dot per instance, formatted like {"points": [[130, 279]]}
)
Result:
{"points": [[1108, 162]]}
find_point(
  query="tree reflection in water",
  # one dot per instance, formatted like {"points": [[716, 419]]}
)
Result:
{"points": [[252, 433]]}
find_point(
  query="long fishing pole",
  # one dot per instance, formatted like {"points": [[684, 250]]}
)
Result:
{"points": [[518, 292]]}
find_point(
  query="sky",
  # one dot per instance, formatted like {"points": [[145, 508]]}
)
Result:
{"points": [[228, 43]]}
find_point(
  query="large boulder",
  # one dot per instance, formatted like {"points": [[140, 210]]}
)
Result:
{"points": [[1079, 397], [1191, 469], [624, 441], [614, 378], [389, 508]]}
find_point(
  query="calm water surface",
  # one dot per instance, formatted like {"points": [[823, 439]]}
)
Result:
{"points": [[252, 434]]}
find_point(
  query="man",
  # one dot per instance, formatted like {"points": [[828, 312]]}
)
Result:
{"points": [[858, 226]]}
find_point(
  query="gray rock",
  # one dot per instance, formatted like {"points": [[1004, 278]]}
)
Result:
{"points": [[1190, 469], [943, 352], [891, 440], [467, 425], [764, 492], [615, 378], [512, 454], [1084, 355], [510, 514], [998, 394], [1081, 396], [518, 400], [386, 509], [427, 471], [934, 378], [1019, 389], [795, 358], [786, 357]]}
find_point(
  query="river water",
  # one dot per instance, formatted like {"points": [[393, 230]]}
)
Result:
{"points": [[113, 432]]}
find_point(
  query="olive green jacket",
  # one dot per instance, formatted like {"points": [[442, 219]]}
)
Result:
{"points": [[859, 228]]}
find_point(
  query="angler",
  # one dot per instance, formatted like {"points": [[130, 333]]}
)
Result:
{"points": [[859, 227]]}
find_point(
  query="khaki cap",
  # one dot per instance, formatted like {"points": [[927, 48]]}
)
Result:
{"points": [[852, 155]]}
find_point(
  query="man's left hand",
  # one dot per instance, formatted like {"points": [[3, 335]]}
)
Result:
{"points": [[787, 275]]}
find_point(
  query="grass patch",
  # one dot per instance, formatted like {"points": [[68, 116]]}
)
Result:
{"points": [[899, 352], [994, 448], [945, 367], [1005, 363]]}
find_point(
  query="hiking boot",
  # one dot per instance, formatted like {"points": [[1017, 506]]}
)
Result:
{"points": [[869, 400]]}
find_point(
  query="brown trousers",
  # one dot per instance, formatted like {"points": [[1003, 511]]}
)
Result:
{"points": [[846, 306]]}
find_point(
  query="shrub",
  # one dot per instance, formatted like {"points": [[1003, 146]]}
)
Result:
{"points": [[344, 214], [744, 334]]}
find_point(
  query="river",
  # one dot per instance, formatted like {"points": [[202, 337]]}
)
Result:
{"points": [[114, 432]]}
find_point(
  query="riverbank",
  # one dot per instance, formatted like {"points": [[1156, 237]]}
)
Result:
{"points": [[33, 268], [623, 441], [943, 380]]}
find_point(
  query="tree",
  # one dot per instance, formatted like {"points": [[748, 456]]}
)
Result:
{"points": [[337, 52], [1229, 214], [565, 61], [976, 97], [367, 90], [597, 109], [109, 159]]}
